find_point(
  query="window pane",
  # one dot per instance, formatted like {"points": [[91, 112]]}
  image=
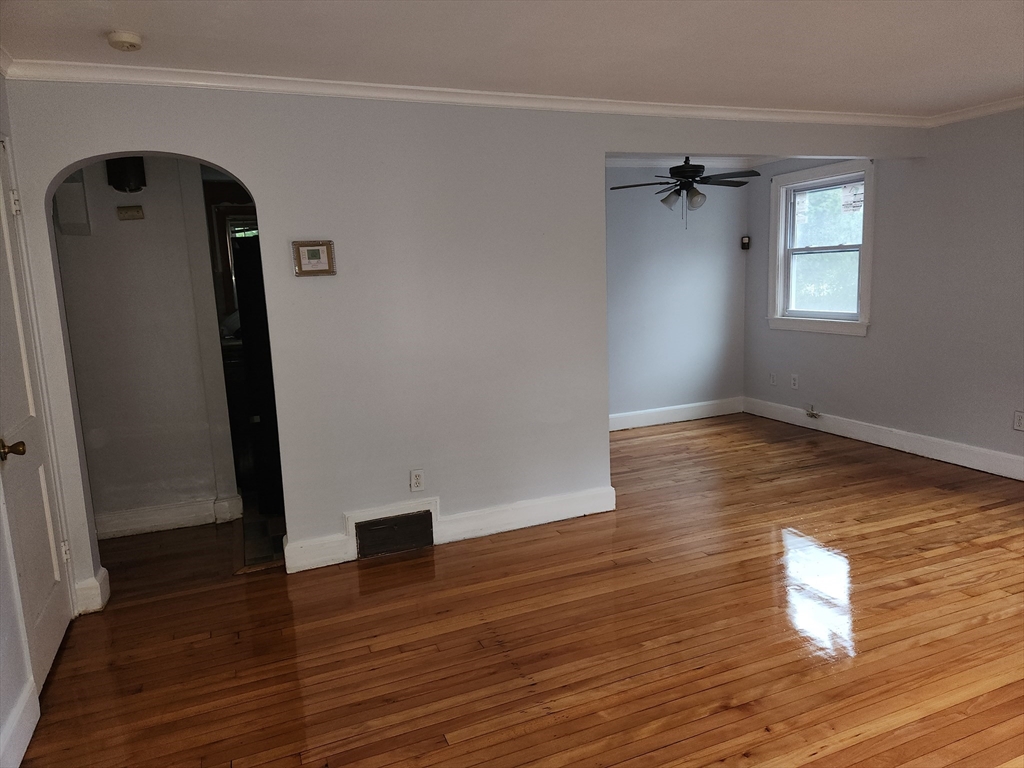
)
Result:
{"points": [[824, 282], [828, 216]]}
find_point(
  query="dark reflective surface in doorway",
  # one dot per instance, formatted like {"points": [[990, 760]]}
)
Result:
{"points": [[248, 369]]}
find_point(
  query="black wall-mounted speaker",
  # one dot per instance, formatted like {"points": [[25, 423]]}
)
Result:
{"points": [[127, 174]]}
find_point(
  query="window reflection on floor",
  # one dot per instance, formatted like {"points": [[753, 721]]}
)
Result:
{"points": [[818, 594]]}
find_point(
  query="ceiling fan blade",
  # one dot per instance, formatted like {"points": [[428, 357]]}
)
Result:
{"points": [[648, 184], [721, 183], [731, 175]]}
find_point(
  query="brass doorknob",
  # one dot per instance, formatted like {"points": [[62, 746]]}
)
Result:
{"points": [[18, 449]]}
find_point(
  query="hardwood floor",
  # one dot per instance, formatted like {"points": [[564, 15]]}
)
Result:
{"points": [[764, 595]]}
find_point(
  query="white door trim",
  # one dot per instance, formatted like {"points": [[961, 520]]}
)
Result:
{"points": [[87, 592], [45, 615]]}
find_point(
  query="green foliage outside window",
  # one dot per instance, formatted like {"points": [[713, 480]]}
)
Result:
{"points": [[834, 217], [824, 281]]}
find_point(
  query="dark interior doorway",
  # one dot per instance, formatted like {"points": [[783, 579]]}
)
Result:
{"points": [[248, 371]]}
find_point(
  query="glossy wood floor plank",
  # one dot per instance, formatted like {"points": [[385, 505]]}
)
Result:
{"points": [[763, 595]]}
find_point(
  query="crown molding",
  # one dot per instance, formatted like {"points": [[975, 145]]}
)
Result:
{"points": [[5, 62], [81, 72], [982, 110], [76, 72]]}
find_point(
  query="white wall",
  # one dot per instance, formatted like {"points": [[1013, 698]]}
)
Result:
{"points": [[465, 332], [675, 297], [944, 354], [139, 302]]}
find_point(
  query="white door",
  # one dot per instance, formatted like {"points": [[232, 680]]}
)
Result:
{"points": [[28, 487]]}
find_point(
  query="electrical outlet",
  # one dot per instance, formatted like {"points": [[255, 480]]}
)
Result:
{"points": [[793, 381], [416, 480], [1018, 420], [771, 379]]}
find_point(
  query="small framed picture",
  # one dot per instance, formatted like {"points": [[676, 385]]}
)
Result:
{"points": [[314, 257]]}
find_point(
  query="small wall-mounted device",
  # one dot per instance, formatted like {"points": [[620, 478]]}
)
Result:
{"points": [[121, 40], [745, 242], [126, 174], [130, 213]]}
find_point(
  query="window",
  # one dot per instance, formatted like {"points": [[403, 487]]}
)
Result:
{"points": [[820, 249]]}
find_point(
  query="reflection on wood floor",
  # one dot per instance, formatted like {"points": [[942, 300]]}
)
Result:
{"points": [[765, 595]]}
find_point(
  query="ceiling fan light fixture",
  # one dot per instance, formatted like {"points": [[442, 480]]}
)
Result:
{"points": [[682, 178]]}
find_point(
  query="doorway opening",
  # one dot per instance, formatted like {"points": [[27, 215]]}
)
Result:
{"points": [[160, 271], [675, 287]]}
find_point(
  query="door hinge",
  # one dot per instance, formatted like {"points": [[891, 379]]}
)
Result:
{"points": [[15, 202], [65, 550]]}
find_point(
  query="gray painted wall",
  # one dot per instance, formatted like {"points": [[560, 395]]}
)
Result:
{"points": [[944, 354], [139, 302], [675, 296], [465, 333]]}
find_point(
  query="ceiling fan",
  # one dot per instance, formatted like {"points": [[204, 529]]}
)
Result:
{"points": [[682, 180]]}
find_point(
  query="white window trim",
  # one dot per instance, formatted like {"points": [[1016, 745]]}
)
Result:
{"points": [[776, 247]]}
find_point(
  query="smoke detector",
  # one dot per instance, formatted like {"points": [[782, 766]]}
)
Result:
{"points": [[125, 41]]}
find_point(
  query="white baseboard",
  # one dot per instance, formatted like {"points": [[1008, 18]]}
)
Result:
{"points": [[128, 522], [226, 508], [985, 459], [92, 594], [674, 413], [524, 514], [304, 554], [337, 548], [20, 724]]}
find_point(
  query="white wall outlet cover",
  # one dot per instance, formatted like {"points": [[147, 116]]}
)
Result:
{"points": [[794, 381], [1018, 420], [416, 482]]}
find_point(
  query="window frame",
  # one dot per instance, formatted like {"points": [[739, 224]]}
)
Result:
{"points": [[782, 187]]}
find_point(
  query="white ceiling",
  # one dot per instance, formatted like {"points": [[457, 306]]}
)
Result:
{"points": [[909, 58]]}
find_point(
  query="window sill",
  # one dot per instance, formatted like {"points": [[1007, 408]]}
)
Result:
{"points": [[842, 327]]}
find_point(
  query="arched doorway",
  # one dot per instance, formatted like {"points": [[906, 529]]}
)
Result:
{"points": [[165, 320]]}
